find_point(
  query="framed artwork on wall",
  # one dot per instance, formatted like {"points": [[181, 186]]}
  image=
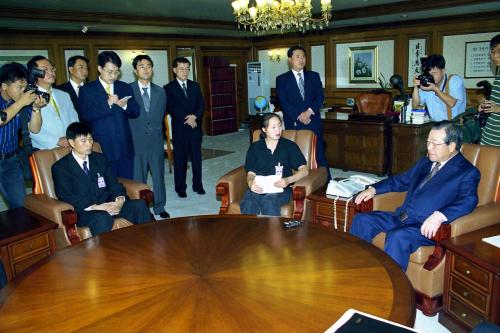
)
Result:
{"points": [[477, 60], [416, 50], [363, 64]]}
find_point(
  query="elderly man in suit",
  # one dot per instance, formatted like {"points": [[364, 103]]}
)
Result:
{"points": [[300, 95], [78, 68], [441, 188], [57, 114], [147, 131], [85, 180], [107, 104], [185, 104]]}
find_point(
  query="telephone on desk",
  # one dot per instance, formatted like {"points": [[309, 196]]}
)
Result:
{"points": [[350, 186]]}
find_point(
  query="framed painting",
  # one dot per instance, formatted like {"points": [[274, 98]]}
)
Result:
{"points": [[416, 50], [477, 60], [363, 64]]}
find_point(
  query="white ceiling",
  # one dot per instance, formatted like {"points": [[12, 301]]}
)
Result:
{"points": [[183, 17]]}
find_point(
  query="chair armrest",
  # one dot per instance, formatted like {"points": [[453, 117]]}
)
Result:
{"points": [[388, 201], [313, 181], [47, 207], [137, 190], [231, 187]]}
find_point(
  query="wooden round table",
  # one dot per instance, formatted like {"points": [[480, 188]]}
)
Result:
{"points": [[208, 274]]}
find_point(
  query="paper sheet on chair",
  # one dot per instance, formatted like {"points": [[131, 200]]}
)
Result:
{"points": [[495, 240], [267, 183]]}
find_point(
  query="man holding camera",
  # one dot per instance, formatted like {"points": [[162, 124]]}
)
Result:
{"points": [[13, 112], [444, 94], [59, 111]]}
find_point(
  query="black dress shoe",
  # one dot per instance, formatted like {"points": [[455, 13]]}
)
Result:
{"points": [[182, 194], [201, 191], [164, 215]]}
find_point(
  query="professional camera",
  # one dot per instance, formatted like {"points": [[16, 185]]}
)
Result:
{"points": [[426, 77], [33, 76]]}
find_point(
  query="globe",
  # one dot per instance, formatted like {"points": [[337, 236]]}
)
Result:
{"points": [[260, 103]]}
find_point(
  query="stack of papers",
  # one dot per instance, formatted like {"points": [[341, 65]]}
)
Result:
{"points": [[417, 116], [267, 183], [494, 240], [353, 321]]}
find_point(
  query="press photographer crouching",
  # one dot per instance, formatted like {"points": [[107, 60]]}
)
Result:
{"points": [[17, 106], [444, 94]]}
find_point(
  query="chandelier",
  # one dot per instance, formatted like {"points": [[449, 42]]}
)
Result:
{"points": [[280, 15]]}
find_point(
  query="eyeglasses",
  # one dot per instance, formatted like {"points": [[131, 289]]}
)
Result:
{"points": [[49, 69], [111, 73], [434, 145], [493, 52], [183, 69]]}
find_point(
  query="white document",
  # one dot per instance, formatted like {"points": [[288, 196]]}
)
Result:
{"points": [[349, 313], [267, 183], [494, 240]]}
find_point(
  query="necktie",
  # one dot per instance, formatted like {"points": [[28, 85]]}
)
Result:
{"points": [[146, 99], [54, 104], [184, 89], [85, 168], [108, 89], [431, 174], [301, 86]]}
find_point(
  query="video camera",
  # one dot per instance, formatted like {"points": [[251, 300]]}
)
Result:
{"points": [[32, 77], [426, 77]]}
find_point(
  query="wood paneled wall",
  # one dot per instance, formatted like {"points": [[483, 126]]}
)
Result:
{"points": [[432, 30]]}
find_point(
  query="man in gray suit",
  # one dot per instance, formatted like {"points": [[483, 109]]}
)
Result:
{"points": [[147, 133]]}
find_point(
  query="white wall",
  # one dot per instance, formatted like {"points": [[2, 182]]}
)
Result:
{"points": [[275, 68], [318, 61]]}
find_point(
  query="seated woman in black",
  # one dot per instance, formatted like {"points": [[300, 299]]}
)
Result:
{"points": [[271, 155]]}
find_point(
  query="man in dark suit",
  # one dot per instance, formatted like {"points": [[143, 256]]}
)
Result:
{"points": [[106, 104], [147, 131], [78, 68], [84, 179], [300, 96], [441, 188], [185, 104]]}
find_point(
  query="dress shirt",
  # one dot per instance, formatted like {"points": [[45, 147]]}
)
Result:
{"points": [[295, 74], [437, 108], [148, 86], [80, 161], [104, 85], [76, 86], [181, 82]]}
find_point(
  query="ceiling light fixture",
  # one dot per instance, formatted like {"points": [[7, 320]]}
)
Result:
{"points": [[281, 15], [274, 55]]}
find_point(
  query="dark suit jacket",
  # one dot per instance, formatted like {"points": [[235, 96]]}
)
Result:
{"points": [[147, 129], [110, 125], [452, 190], [67, 87], [73, 186], [179, 107], [293, 105]]}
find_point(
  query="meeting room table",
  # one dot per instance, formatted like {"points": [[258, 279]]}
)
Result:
{"points": [[213, 273]]}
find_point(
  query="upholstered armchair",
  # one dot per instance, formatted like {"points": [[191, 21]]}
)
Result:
{"points": [[43, 200], [232, 186], [371, 103], [427, 265]]}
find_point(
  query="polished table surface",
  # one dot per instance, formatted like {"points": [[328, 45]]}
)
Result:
{"points": [[208, 274]]}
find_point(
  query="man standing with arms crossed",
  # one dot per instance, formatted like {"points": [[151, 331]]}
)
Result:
{"points": [[147, 133]]}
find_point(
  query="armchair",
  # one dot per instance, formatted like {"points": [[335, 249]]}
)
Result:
{"points": [[43, 200], [232, 186], [427, 264], [371, 103]]}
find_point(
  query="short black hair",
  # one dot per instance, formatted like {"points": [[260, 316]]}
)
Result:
{"points": [[294, 48], [72, 60], [12, 72], [141, 57], [77, 129], [109, 56], [32, 63], [182, 60], [494, 42], [453, 132], [437, 60]]}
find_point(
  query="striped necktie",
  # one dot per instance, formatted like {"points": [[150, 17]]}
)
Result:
{"points": [[431, 174], [146, 99], [301, 86], [85, 168]]}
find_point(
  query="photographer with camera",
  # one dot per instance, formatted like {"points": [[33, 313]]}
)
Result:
{"points": [[59, 112], [444, 94], [17, 106]]}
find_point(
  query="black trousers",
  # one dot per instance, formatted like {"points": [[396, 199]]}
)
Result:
{"points": [[187, 146], [100, 221]]}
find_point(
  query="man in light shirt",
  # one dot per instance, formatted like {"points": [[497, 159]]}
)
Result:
{"points": [[84, 179], [59, 111]]}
